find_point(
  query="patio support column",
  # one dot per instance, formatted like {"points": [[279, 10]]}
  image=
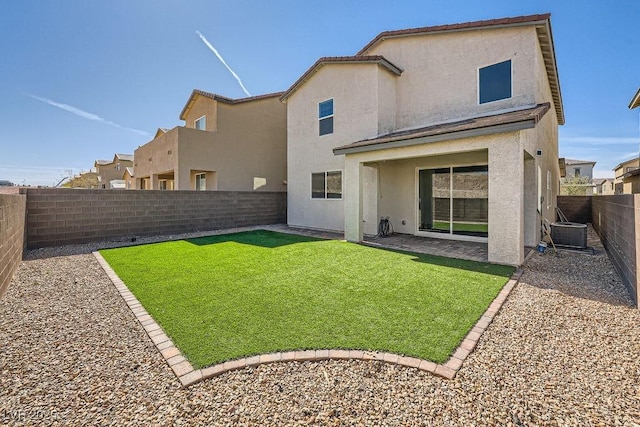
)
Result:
{"points": [[506, 200], [352, 183]]}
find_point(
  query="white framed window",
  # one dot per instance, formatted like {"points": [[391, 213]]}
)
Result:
{"points": [[576, 172], [325, 117], [118, 167], [326, 185], [201, 123], [495, 82], [201, 181], [162, 184], [548, 189]]}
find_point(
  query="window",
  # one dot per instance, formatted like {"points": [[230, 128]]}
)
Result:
{"points": [[326, 185], [201, 123], [201, 181], [325, 116], [162, 184], [118, 167], [494, 82], [576, 172]]}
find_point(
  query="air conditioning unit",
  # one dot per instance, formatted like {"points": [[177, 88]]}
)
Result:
{"points": [[571, 234]]}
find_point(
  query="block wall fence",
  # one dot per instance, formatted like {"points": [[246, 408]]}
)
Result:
{"points": [[12, 226], [58, 217], [616, 219], [41, 217]]}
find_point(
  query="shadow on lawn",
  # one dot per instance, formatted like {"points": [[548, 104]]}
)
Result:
{"points": [[261, 238]]}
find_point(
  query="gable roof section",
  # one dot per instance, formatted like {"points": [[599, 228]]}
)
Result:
{"points": [[197, 92], [543, 29], [619, 165], [358, 59], [129, 170], [123, 157], [481, 125], [635, 102], [102, 162]]}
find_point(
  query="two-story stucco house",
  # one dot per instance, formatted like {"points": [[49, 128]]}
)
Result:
{"points": [[577, 178], [625, 173], [112, 170], [450, 131], [225, 144]]}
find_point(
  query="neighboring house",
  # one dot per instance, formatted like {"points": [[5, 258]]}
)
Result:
{"points": [[631, 179], [109, 170], [450, 131], [604, 186], [129, 179], [226, 144], [625, 173], [577, 178]]}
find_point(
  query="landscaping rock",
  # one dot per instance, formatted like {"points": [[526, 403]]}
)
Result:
{"points": [[563, 350]]}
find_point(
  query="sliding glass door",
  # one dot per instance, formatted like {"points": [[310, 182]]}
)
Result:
{"points": [[454, 200]]}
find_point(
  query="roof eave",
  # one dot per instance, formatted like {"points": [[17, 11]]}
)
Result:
{"points": [[407, 142], [383, 62]]}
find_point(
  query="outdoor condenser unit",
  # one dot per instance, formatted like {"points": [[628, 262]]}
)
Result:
{"points": [[570, 234]]}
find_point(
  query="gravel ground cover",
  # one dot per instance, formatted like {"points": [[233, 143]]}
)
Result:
{"points": [[564, 350]]}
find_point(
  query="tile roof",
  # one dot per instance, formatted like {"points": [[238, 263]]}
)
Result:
{"points": [[619, 165], [357, 59], [447, 131], [124, 157], [578, 162], [221, 98], [543, 29]]}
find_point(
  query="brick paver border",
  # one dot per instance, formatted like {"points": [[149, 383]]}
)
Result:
{"points": [[189, 376]]}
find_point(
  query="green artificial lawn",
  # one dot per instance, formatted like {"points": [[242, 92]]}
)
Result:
{"points": [[229, 296]]}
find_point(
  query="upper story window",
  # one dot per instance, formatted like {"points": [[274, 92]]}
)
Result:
{"points": [[118, 167], [576, 172], [201, 123], [494, 82], [325, 117]]}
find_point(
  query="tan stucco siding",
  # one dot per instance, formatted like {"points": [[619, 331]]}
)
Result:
{"points": [[250, 143], [203, 106], [440, 77], [157, 156], [354, 89]]}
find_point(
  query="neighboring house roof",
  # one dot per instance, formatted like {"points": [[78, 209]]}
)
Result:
{"points": [[635, 102], [543, 29], [635, 159], [124, 157], [129, 170], [571, 162], [102, 162], [197, 92], [481, 125], [358, 59], [160, 131]]}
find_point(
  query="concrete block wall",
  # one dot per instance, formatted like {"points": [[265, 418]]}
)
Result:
{"points": [[66, 216], [616, 219], [12, 223], [576, 208]]}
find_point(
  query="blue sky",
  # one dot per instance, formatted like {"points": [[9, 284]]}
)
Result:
{"points": [[81, 80]]}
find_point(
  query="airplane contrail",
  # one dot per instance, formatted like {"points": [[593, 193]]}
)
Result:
{"points": [[213, 49], [85, 114]]}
